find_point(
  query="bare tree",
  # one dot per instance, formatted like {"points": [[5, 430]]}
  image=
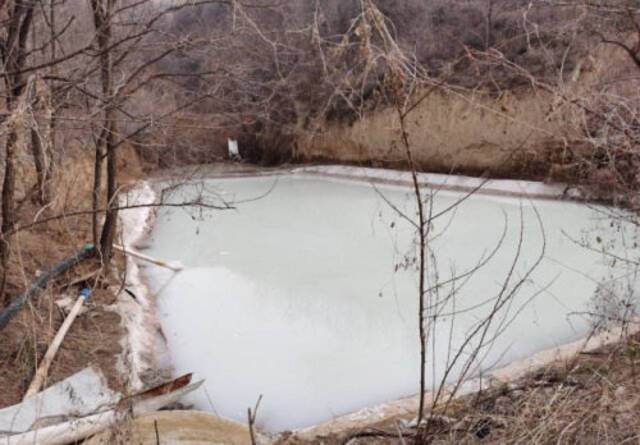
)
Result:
{"points": [[102, 15], [13, 47]]}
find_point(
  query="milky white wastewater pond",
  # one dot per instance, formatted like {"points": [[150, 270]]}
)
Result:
{"points": [[306, 294]]}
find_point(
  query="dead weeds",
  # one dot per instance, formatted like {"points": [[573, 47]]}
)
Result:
{"points": [[593, 399], [95, 337]]}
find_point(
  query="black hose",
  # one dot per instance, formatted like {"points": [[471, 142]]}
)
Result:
{"points": [[18, 303]]}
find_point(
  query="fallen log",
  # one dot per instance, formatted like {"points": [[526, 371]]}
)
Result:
{"points": [[43, 368], [18, 303]]}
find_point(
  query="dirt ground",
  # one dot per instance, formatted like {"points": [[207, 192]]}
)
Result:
{"points": [[94, 338]]}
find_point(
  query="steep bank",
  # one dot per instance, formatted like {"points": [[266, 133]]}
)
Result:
{"points": [[55, 232], [448, 132], [541, 132]]}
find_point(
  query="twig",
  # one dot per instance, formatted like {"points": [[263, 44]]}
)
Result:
{"points": [[155, 427], [252, 420]]}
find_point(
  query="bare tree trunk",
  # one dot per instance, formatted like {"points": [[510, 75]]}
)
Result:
{"points": [[422, 226], [42, 170], [422, 239], [13, 50], [40, 99], [488, 38], [52, 159], [97, 187], [111, 219], [102, 22], [51, 148], [8, 203]]}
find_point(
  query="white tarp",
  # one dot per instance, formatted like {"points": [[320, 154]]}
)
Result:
{"points": [[234, 152], [79, 395]]}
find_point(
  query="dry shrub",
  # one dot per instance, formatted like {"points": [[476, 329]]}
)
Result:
{"points": [[188, 139], [591, 399], [296, 65]]}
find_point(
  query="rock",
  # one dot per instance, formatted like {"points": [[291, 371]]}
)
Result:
{"points": [[66, 303], [178, 427], [620, 392]]}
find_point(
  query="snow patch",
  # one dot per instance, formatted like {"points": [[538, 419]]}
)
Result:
{"points": [[508, 187], [137, 311]]}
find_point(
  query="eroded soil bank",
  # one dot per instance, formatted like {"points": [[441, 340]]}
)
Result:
{"points": [[58, 231]]}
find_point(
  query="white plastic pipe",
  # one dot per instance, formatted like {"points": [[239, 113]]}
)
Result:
{"points": [[146, 258], [43, 369]]}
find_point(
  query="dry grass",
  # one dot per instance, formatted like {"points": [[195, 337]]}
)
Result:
{"points": [[593, 399], [95, 336], [531, 132], [449, 132]]}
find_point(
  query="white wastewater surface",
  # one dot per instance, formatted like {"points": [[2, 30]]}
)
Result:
{"points": [[300, 294]]}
